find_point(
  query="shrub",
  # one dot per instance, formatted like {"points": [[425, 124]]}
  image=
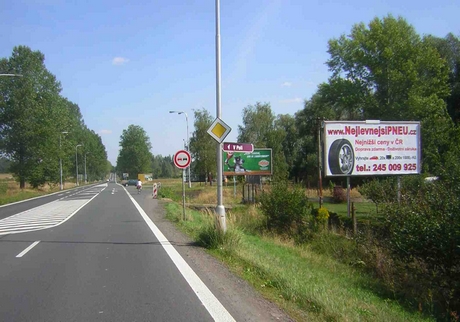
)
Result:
{"points": [[380, 191], [287, 211], [211, 236], [321, 217], [424, 234], [339, 195]]}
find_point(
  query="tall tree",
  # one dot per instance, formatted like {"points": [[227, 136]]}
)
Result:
{"points": [[393, 66], [259, 128], [202, 145], [134, 156], [29, 112], [449, 49], [401, 78]]}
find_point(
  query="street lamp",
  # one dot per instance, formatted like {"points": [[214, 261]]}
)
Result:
{"points": [[11, 75], [86, 181], [220, 209], [60, 157], [76, 159], [188, 143]]}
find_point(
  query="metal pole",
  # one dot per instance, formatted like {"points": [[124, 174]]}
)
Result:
{"points": [[76, 162], [86, 181], [348, 196], [188, 150], [60, 162], [183, 194], [60, 158], [220, 209]]}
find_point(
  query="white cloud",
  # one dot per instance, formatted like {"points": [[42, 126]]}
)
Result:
{"points": [[291, 100], [286, 84], [119, 61], [105, 132]]}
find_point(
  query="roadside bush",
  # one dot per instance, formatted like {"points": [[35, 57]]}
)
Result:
{"points": [[339, 195], [287, 211], [321, 216], [424, 234], [211, 236], [380, 191]]}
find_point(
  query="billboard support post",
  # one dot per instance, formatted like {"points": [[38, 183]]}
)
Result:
{"points": [[320, 181], [348, 196]]}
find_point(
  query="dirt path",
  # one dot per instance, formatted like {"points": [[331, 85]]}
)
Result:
{"points": [[238, 297]]}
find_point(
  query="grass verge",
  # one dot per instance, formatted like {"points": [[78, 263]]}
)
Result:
{"points": [[307, 285]]}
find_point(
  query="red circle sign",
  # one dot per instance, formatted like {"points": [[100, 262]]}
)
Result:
{"points": [[182, 159]]}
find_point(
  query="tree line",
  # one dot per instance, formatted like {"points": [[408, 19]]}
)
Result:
{"points": [[384, 70], [39, 127]]}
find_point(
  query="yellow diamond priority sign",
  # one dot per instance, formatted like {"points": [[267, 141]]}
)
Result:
{"points": [[219, 130]]}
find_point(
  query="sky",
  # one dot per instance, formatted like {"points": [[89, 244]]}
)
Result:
{"points": [[131, 62]]}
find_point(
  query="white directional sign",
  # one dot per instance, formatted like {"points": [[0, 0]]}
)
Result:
{"points": [[182, 159]]}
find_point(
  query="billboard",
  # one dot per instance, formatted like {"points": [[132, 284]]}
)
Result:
{"points": [[371, 148], [256, 163]]}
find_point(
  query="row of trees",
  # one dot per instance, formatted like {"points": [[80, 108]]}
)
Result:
{"points": [[384, 70], [38, 126]]}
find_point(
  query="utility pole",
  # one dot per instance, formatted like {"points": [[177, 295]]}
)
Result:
{"points": [[220, 209]]}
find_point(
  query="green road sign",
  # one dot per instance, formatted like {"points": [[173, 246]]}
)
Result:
{"points": [[257, 163]]}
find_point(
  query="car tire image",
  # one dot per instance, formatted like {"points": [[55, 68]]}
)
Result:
{"points": [[341, 157]]}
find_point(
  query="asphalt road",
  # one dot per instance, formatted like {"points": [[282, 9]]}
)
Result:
{"points": [[95, 256], [11, 209]]}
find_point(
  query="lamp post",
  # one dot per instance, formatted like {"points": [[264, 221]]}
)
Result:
{"points": [[60, 157], [11, 75], [188, 144], [220, 209], [76, 159], [86, 181]]}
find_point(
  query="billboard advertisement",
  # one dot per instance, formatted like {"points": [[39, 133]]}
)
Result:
{"points": [[258, 162], [353, 148]]}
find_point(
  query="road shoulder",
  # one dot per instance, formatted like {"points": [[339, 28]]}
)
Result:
{"points": [[238, 297]]}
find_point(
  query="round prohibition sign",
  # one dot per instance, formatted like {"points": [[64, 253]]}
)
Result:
{"points": [[182, 159]]}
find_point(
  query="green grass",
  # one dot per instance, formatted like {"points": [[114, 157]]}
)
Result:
{"points": [[22, 195], [362, 209], [306, 284]]}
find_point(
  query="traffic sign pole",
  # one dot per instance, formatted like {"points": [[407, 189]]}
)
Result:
{"points": [[182, 160]]}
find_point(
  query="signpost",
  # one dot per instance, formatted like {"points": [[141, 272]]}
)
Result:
{"points": [[238, 147], [182, 160], [219, 130]]}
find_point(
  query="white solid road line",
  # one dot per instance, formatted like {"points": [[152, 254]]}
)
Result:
{"points": [[217, 311], [27, 249]]}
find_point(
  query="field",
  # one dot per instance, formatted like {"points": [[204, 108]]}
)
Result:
{"points": [[10, 192]]}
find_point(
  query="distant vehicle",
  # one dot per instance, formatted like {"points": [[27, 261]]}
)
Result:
{"points": [[132, 182]]}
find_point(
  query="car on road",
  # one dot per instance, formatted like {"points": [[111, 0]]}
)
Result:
{"points": [[131, 182]]}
